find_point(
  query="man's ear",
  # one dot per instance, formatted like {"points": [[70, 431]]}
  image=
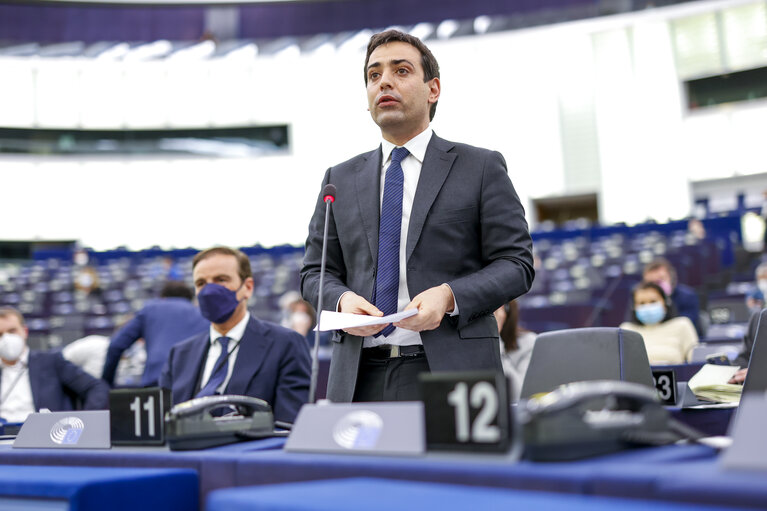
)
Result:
{"points": [[248, 285], [435, 87]]}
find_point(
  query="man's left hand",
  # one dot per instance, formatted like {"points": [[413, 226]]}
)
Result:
{"points": [[432, 306]]}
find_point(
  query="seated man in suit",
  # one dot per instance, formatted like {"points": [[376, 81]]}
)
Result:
{"points": [[32, 380], [239, 354]]}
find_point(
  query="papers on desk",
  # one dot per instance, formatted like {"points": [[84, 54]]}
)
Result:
{"points": [[330, 320], [710, 384]]}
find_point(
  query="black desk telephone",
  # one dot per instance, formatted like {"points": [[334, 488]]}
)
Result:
{"points": [[217, 420], [596, 417]]}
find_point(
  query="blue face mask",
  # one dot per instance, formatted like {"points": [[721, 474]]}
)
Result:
{"points": [[651, 313], [217, 303]]}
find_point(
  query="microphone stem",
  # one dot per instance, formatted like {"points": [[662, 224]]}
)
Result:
{"points": [[316, 350]]}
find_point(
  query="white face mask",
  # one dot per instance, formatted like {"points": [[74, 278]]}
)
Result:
{"points": [[762, 285], [11, 346]]}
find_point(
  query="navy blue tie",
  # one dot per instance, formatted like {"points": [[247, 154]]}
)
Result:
{"points": [[387, 274], [218, 375]]}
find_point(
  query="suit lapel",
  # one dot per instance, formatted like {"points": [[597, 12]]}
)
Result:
{"points": [[437, 163], [191, 374], [368, 187], [250, 356]]}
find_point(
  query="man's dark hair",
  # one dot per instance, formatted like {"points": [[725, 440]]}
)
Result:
{"points": [[176, 289], [243, 263], [661, 262], [428, 62]]}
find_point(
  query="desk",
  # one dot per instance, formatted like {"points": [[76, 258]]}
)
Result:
{"points": [[683, 473], [386, 495], [215, 467], [711, 421], [271, 467], [96, 489]]}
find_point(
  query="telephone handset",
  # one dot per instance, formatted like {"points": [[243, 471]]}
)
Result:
{"points": [[595, 417], [218, 420]]}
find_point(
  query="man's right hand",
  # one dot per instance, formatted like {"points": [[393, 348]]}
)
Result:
{"points": [[353, 303]]}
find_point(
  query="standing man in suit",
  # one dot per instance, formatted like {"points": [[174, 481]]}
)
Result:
{"points": [[239, 354], [161, 323], [418, 223], [33, 380]]}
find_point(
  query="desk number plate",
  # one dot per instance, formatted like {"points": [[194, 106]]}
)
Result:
{"points": [[137, 416], [466, 411], [665, 384]]}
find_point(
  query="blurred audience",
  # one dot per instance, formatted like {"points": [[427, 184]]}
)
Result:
{"points": [[162, 324], [696, 228], [755, 297], [300, 316], [33, 380], [86, 281], [516, 346], [88, 353], [684, 298], [668, 339]]}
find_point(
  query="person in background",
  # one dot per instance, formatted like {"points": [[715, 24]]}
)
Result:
{"points": [[668, 339], [162, 324], [516, 346], [696, 228], [744, 357], [684, 298], [237, 354], [755, 297], [739, 377], [33, 380], [297, 313], [300, 316], [88, 353]]}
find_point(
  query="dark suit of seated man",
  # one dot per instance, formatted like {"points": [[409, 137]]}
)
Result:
{"points": [[33, 380], [240, 354]]}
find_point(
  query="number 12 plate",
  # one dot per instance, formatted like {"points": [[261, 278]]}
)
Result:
{"points": [[466, 411]]}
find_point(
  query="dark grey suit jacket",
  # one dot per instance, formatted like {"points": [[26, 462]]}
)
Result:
{"points": [[467, 228]]}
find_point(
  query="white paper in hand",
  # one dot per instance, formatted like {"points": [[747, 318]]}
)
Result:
{"points": [[330, 320]]}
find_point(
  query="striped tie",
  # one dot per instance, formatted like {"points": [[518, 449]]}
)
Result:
{"points": [[387, 275]]}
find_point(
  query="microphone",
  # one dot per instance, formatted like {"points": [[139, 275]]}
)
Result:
{"points": [[328, 196]]}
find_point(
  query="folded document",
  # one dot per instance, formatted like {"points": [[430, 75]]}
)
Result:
{"points": [[710, 384]]}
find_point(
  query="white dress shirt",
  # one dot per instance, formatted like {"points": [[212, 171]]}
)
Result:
{"points": [[411, 168], [16, 391], [235, 336]]}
